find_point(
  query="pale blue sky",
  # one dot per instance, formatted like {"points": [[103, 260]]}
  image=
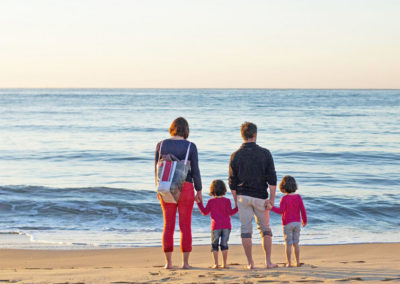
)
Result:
{"points": [[202, 44]]}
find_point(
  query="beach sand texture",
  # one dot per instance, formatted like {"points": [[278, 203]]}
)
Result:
{"points": [[342, 263]]}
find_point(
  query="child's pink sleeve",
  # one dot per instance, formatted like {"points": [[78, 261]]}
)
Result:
{"points": [[281, 208], [303, 211], [231, 211], [206, 210]]}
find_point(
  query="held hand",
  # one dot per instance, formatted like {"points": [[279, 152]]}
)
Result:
{"points": [[272, 202], [304, 224], [268, 204], [198, 198]]}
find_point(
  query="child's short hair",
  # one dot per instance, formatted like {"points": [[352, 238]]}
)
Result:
{"points": [[217, 188], [288, 184]]}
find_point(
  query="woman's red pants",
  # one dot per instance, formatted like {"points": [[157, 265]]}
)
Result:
{"points": [[185, 208]]}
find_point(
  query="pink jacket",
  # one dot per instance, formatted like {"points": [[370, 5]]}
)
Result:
{"points": [[221, 210], [290, 207]]}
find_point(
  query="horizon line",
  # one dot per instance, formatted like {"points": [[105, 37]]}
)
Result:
{"points": [[191, 88]]}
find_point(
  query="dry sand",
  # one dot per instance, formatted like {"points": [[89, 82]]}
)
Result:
{"points": [[342, 263]]}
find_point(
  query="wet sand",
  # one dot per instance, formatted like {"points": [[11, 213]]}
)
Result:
{"points": [[343, 263]]}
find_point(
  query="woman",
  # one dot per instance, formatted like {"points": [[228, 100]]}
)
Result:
{"points": [[178, 145]]}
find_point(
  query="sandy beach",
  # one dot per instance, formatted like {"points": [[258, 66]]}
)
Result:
{"points": [[363, 262]]}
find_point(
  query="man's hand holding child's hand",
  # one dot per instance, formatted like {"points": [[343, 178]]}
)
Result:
{"points": [[268, 205]]}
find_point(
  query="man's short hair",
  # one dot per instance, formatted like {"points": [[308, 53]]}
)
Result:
{"points": [[248, 130]]}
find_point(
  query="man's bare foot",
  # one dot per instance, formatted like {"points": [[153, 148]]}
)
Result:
{"points": [[299, 264], [224, 266], [271, 265], [168, 266], [186, 266], [215, 266], [249, 266]]}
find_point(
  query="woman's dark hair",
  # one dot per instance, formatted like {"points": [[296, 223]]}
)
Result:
{"points": [[179, 127], [217, 188], [288, 184], [248, 130]]}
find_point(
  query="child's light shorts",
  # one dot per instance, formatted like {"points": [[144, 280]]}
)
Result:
{"points": [[291, 233]]}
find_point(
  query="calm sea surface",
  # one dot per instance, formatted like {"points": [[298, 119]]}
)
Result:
{"points": [[76, 165]]}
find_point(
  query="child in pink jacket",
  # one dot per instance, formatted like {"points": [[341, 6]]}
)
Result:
{"points": [[290, 207], [220, 210]]}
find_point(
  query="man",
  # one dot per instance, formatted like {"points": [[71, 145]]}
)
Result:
{"points": [[251, 171]]}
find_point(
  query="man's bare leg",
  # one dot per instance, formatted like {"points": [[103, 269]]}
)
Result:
{"points": [[247, 246], [267, 246]]}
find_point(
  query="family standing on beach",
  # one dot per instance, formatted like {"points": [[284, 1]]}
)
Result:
{"points": [[251, 173]]}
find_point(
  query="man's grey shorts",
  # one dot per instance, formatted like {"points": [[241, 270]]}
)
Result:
{"points": [[248, 207], [291, 233]]}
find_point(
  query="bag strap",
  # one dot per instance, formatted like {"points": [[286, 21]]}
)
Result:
{"points": [[159, 151], [187, 153]]}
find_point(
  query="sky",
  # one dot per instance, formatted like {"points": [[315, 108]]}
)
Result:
{"points": [[200, 44]]}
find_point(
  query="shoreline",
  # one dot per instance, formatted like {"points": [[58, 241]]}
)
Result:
{"points": [[374, 262]]}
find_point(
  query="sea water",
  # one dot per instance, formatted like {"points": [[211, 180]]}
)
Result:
{"points": [[77, 165]]}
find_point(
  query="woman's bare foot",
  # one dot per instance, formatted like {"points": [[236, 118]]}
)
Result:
{"points": [[271, 265], [224, 266], [215, 266], [299, 264], [288, 265], [168, 266], [186, 266]]}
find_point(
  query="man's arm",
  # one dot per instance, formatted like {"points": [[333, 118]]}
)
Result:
{"points": [[272, 189], [234, 196], [271, 178], [233, 180]]}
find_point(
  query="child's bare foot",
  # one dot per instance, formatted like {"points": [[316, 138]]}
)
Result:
{"points": [[215, 266]]}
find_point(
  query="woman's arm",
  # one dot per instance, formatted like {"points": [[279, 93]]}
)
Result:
{"points": [[156, 158], [194, 164]]}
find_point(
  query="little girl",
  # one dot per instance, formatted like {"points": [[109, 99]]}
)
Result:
{"points": [[220, 209], [290, 207]]}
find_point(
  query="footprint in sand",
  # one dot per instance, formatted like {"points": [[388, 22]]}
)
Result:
{"points": [[38, 268], [355, 261], [154, 273], [351, 279], [390, 279]]}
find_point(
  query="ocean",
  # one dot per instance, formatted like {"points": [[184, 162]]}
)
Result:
{"points": [[77, 165]]}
